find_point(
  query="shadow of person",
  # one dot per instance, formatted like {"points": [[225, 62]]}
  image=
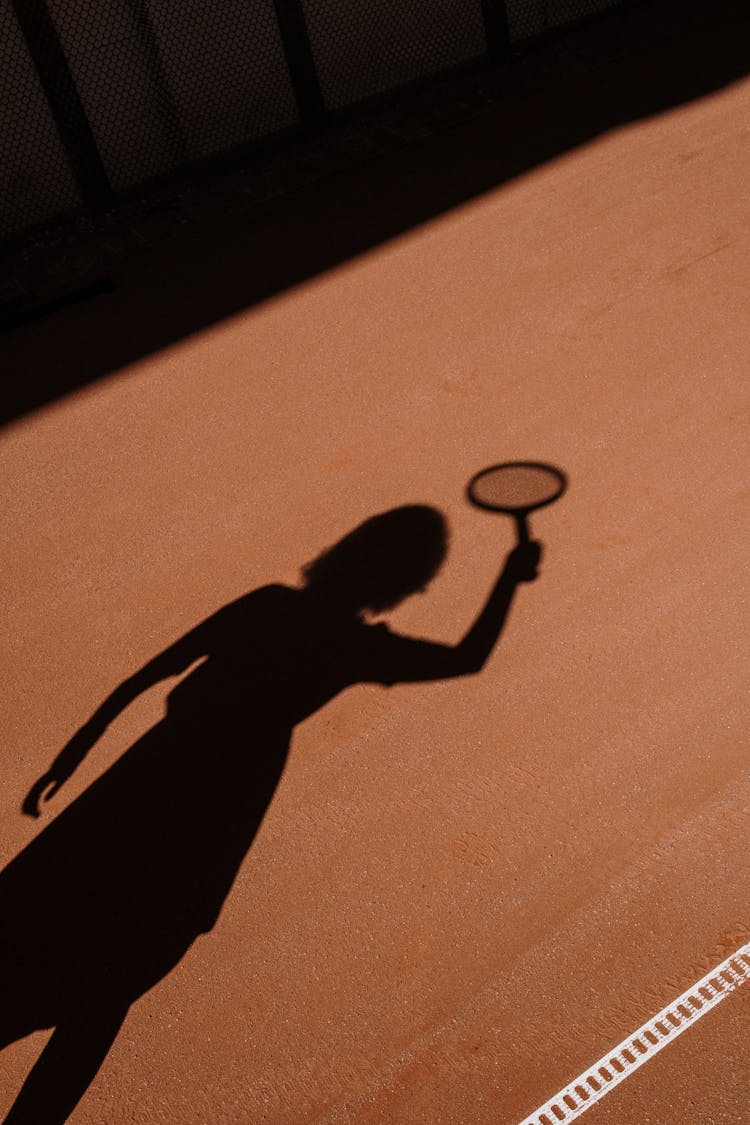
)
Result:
{"points": [[110, 896]]}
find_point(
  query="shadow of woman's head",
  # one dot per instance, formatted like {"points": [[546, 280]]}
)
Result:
{"points": [[381, 562]]}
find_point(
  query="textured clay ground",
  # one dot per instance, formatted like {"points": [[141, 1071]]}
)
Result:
{"points": [[463, 893]]}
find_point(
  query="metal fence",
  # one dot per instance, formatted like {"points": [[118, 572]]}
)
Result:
{"points": [[99, 97]]}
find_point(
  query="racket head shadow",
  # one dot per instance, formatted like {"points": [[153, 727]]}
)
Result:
{"points": [[516, 488]]}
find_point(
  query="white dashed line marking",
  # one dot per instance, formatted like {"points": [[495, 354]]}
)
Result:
{"points": [[608, 1071]]}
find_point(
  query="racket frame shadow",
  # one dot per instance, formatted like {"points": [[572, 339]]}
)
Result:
{"points": [[520, 513]]}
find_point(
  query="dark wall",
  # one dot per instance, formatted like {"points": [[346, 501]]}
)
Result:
{"points": [[99, 98]]}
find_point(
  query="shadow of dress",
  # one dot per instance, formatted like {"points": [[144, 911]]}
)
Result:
{"points": [[111, 895]]}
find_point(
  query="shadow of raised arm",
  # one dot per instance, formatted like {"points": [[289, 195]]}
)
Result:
{"points": [[409, 661]]}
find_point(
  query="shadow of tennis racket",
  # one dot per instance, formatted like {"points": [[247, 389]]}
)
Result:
{"points": [[517, 488]]}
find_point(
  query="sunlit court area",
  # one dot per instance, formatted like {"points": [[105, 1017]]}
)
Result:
{"points": [[375, 468]]}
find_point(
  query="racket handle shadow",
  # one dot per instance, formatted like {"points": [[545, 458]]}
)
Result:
{"points": [[522, 526]]}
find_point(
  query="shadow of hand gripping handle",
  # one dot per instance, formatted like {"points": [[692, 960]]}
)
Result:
{"points": [[523, 561]]}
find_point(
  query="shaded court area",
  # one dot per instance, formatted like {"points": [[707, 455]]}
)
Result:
{"points": [[343, 880]]}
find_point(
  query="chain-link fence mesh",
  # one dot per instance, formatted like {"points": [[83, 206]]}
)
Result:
{"points": [[100, 96], [528, 18], [36, 181], [363, 49], [182, 79]]}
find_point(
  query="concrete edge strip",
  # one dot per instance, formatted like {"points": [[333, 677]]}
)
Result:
{"points": [[608, 1071]]}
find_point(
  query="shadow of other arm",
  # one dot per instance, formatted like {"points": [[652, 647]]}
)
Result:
{"points": [[170, 662], [413, 661]]}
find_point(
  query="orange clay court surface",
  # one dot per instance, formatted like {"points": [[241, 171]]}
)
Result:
{"points": [[463, 892]]}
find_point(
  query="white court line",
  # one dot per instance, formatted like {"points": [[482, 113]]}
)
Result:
{"points": [[608, 1071]]}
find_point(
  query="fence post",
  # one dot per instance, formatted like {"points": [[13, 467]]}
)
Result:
{"points": [[496, 29], [45, 48], [300, 60]]}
